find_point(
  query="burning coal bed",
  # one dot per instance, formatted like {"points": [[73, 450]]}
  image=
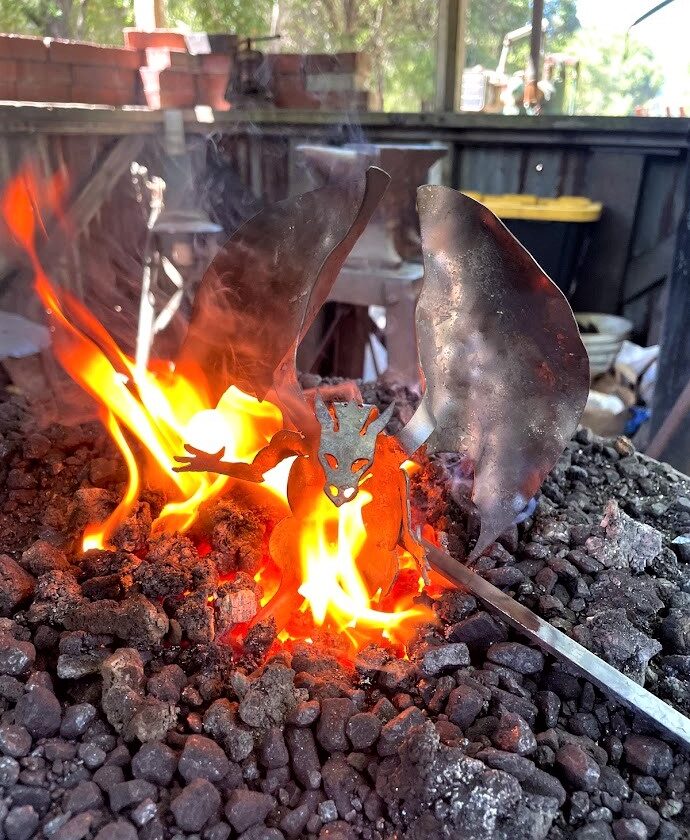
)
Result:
{"points": [[256, 648], [141, 698]]}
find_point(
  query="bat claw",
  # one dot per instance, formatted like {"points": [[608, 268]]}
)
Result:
{"points": [[196, 460]]}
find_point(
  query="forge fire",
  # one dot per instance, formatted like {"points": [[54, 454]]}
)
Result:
{"points": [[330, 485], [219, 620], [331, 541]]}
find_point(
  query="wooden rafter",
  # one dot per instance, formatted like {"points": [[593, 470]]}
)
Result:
{"points": [[450, 59], [91, 196]]}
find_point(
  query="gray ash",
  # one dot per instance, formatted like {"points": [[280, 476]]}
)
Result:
{"points": [[129, 710]]}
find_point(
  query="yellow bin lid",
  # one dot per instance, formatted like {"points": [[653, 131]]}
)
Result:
{"points": [[567, 208]]}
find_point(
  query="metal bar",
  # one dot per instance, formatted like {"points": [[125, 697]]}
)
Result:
{"points": [[652, 11], [533, 72], [654, 132], [553, 641]]}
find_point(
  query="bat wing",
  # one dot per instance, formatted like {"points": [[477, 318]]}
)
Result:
{"points": [[264, 287], [506, 373]]}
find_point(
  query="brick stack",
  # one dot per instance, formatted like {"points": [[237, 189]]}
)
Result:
{"points": [[288, 82], [339, 81], [47, 70], [156, 69], [172, 78], [333, 82]]}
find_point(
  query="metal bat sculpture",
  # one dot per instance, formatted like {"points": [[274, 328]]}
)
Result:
{"points": [[506, 374]]}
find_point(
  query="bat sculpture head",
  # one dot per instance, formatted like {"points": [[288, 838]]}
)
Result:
{"points": [[346, 449]]}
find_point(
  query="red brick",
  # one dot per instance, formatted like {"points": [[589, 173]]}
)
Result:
{"points": [[326, 82], [285, 63], [102, 95], [211, 89], [289, 81], [168, 79], [289, 92], [8, 71], [168, 88], [75, 52], [347, 62], [217, 63], [161, 57], [44, 92], [84, 75], [29, 49], [346, 100], [137, 39], [168, 99], [8, 89], [37, 73]]}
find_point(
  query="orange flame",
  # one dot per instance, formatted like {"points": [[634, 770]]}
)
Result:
{"points": [[331, 542], [151, 414], [160, 410]]}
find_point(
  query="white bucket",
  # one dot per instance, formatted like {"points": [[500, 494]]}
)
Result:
{"points": [[603, 346]]}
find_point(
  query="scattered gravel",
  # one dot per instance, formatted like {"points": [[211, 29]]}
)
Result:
{"points": [[126, 715]]}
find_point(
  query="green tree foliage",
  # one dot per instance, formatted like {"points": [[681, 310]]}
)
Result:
{"points": [[245, 17], [615, 75], [398, 35], [101, 21], [489, 21]]}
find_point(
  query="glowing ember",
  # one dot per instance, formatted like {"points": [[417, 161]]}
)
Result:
{"points": [[150, 415]]}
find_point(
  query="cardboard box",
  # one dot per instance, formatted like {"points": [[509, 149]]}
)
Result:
{"points": [[611, 397]]}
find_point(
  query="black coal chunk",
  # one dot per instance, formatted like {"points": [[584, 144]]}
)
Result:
{"points": [[16, 585], [202, 758], [648, 755], [39, 712], [579, 769], [155, 762], [246, 808], [195, 805]]}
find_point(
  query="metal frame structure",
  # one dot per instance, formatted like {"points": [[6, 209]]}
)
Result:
{"points": [[450, 53]]}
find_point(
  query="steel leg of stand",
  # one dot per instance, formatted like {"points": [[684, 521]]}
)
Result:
{"points": [[401, 343]]}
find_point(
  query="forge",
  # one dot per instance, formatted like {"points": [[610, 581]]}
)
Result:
{"points": [[226, 603]]}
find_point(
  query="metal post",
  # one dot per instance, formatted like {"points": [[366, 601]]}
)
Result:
{"points": [[670, 424], [534, 64], [150, 14], [450, 56]]}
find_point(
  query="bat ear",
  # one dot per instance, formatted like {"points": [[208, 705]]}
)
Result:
{"points": [[323, 415], [381, 421]]}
